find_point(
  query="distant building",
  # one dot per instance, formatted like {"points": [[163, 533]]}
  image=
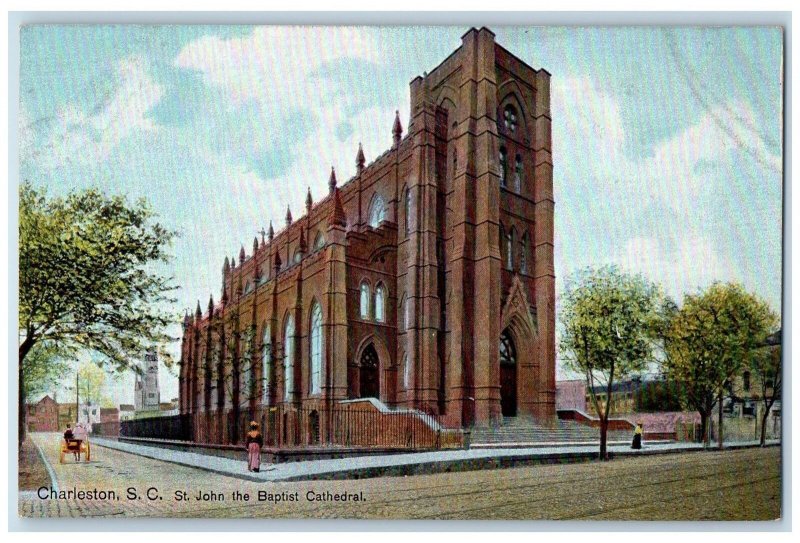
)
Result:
{"points": [[109, 414], [126, 412], [67, 414], [146, 393], [43, 415], [571, 394]]}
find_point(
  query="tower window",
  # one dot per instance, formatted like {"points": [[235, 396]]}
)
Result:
{"points": [[518, 174], [379, 303], [523, 254], [510, 118], [510, 250], [364, 301]]}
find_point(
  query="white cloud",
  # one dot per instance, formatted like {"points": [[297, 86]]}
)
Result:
{"points": [[272, 64], [77, 137], [680, 251], [693, 263]]}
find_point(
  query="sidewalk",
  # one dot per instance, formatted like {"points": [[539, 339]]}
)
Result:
{"points": [[398, 464]]}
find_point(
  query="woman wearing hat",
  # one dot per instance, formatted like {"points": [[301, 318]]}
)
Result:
{"points": [[253, 442], [637, 437]]}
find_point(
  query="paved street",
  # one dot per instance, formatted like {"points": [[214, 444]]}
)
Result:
{"points": [[742, 484]]}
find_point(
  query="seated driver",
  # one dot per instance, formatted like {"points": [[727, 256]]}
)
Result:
{"points": [[80, 435]]}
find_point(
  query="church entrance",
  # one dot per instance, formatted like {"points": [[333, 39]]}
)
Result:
{"points": [[369, 385], [508, 376]]}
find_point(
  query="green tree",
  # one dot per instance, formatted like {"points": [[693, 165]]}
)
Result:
{"points": [[608, 319], [43, 367], [87, 278], [709, 339], [91, 382], [766, 365]]}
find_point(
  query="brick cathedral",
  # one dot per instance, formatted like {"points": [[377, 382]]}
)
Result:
{"points": [[425, 282]]}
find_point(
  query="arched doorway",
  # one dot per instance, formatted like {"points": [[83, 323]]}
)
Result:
{"points": [[508, 375], [369, 384]]}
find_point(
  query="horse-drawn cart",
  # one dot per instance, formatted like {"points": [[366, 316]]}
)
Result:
{"points": [[74, 446]]}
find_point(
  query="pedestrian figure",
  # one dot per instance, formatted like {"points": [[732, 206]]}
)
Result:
{"points": [[637, 437], [253, 442]]}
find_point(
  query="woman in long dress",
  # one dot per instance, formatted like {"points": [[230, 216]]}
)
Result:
{"points": [[254, 441], [637, 437]]}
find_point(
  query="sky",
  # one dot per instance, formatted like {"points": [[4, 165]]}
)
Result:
{"points": [[667, 142]]}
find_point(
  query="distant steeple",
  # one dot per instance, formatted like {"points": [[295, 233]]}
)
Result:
{"points": [[332, 180], [360, 160], [397, 128], [309, 201], [288, 216]]}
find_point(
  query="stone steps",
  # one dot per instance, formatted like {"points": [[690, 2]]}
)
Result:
{"points": [[515, 431]]}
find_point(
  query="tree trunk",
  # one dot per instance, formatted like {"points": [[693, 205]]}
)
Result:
{"points": [[604, 438], [705, 435], [719, 421], [21, 406], [764, 419], [24, 349]]}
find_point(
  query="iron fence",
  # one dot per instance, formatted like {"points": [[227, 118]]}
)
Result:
{"points": [[287, 427]]}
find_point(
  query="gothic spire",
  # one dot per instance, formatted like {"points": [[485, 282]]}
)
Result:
{"points": [[226, 267], [241, 255], [288, 216], [255, 245], [337, 216], [332, 180], [360, 160], [397, 129], [302, 243], [210, 305], [270, 232], [197, 313], [309, 201]]}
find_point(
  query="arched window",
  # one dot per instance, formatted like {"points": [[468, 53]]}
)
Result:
{"points": [[364, 302], [510, 118], [407, 210], [247, 365], [407, 314], [379, 303], [298, 255], [508, 354], [316, 348], [510, 250], [406, 372], [503, 166], [523, 254], [377, 211], [288, 359], [319, 241], [266, 365], [518, 174], [248, 287]]}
